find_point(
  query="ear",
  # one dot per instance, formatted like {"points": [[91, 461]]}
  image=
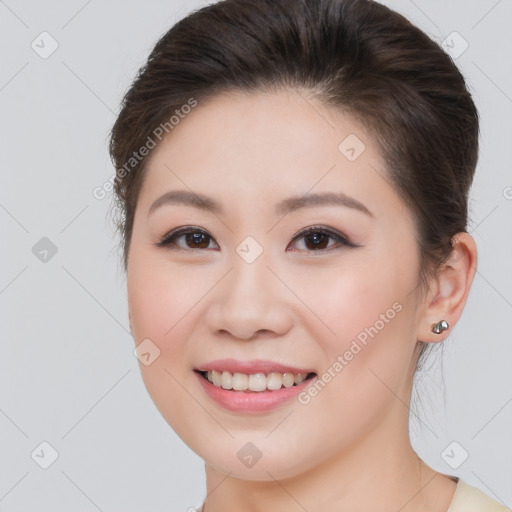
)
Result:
{"points": [[130, 320], [449, 290]]}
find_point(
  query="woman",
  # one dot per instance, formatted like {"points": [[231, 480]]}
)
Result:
{"points": [[293, 178]]}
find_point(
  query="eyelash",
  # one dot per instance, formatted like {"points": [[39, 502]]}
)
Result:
{"points": [[169, 240]]}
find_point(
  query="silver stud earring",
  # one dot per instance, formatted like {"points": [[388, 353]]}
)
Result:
{"points": [[439, 327]]}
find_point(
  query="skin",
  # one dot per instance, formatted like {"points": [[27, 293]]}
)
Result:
{"points": [[348, 449]]}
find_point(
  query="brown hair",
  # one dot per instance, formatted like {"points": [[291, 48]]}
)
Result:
{"points": [[356, 55]]}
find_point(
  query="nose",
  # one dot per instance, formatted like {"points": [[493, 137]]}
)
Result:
{"points": [[250, 302]]}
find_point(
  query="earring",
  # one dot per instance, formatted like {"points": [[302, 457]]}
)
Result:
{"points": [[439, 327]]}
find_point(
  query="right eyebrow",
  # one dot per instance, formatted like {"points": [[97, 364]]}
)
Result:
{"points": [[188, 199]]}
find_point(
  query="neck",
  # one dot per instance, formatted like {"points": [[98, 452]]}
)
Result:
{"points": [[380, 472]]}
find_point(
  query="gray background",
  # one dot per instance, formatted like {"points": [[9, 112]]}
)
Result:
{"points": [[68, 375]]}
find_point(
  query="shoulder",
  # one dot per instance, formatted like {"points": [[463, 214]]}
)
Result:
{"points": [[470, 499], [466, 499]]}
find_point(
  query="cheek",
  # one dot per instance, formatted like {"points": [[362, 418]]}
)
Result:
{"points": [[161, 302], [162, 298], [346, 299], [362, 323]]}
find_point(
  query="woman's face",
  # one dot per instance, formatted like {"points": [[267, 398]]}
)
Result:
{"points": [[246, 284]]}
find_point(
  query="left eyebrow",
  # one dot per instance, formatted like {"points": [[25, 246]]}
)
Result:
{"points": [[325, 199]]}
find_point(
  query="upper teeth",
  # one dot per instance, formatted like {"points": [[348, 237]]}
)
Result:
{"points": [[254, 382]]}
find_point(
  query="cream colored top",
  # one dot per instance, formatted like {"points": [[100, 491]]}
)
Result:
{"points": [[466, 499], [470, 499]]}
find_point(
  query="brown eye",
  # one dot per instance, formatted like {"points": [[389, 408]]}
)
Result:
{"points": [[197, 240], [193, 239], [317, 239]]}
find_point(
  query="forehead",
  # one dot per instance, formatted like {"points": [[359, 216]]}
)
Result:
{"points": [[245, 148]]}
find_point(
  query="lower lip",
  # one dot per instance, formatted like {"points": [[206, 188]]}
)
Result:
{"points": [[251, 402]]}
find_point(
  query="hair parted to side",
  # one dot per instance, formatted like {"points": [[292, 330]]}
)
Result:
{"points": [[355, 55]]}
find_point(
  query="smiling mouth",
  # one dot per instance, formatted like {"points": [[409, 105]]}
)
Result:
{"points": [[256, 382]]}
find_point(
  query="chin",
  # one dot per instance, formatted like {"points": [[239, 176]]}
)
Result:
{"points": [[248, 462]]}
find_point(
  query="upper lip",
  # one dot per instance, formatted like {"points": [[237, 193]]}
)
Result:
{"points": [[251, 367]]}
